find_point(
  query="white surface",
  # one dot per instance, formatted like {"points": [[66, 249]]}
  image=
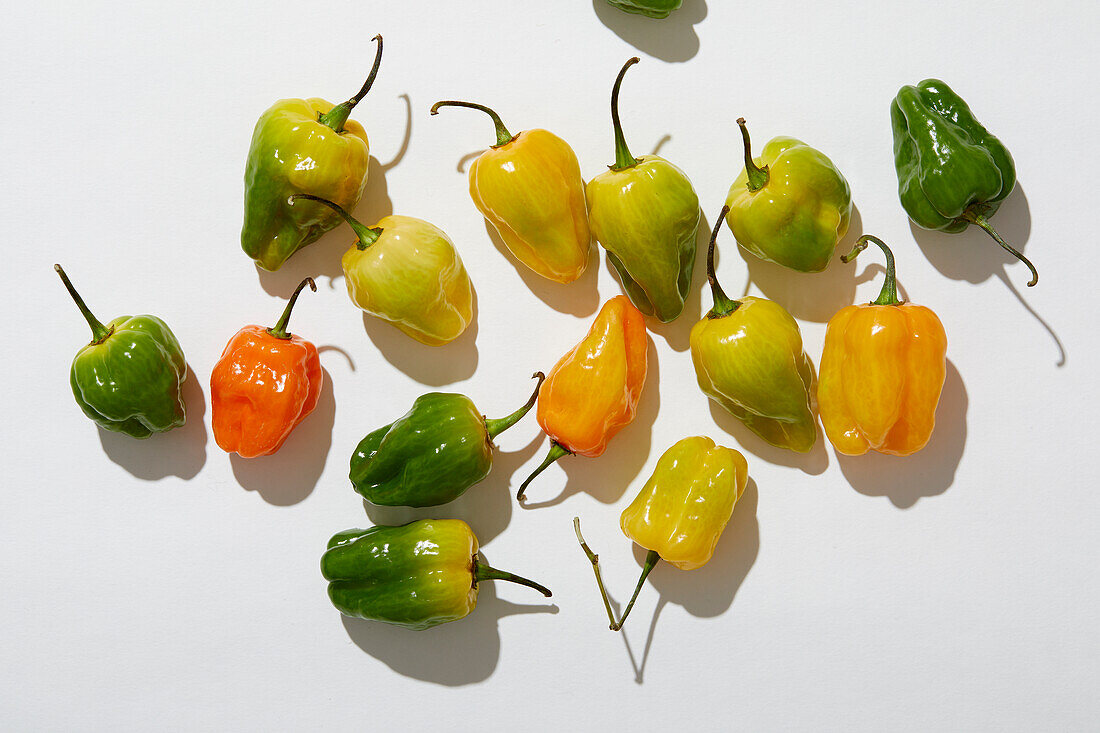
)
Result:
{"points": [[162, 584]]}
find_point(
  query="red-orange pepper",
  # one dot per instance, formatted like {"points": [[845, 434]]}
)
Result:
{"points": [[265, 383], [592, 392]]}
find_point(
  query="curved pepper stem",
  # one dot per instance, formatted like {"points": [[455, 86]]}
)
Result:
{"points": [[338, 115], [498, 426], [100, 333], [651, 560], [556, 451], [503, 136], [723, 306], [279, 329], [889, 293], [484, 572], [595, 560], [367, 235], [758, 177], [623, 158], [984, 224]]}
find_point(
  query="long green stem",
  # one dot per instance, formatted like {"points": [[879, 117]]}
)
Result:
{"points": [[279, 329], [99, 331], [723, 306], [498, 426], [889, 293], [623, 158], [556, 452], [595, 560], [651, 560], [367, 235], [338, 115], [503, 136], [758, 177], [988, 228], [484, 572]]}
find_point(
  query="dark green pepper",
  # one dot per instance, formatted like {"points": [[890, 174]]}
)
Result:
{"points": [[418, 575], [128, 379], [651, 8], [951, 172], [431, 455]]}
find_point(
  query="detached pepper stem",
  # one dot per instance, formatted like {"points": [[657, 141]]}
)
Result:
{"points": [[367, 235], [279, 329], [556, 452], [889, 293], [984, 224], [498, 426], [623, 158], [595, 560], [99, 331], [758, 177], [723, 306], [651, 560], [338, 115], [503, 136], [484, 572]]}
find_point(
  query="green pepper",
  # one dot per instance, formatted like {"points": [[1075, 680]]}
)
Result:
{"points": [[651, 8], [431, 455], [302, 146], [951, 172], [418, 575], [128, 379], [645, 213]]}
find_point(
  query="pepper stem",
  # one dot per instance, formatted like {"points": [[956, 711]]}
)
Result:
{"points": [[484, 572], [279, 329], [758, 177], [723, 306], [984, 224], [338, 115], [99, 331], [503, 136], [595, 560], [498, 426], [889, 293], [651, 560], [556, 452], [623, 158], [367, 235]]}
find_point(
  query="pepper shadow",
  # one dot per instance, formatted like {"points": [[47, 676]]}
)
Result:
{"points": [[928, 472], [579, 298], [670, 39], [607, 477], [677, 334], [290, 475], [180, 452], [459, 653]]}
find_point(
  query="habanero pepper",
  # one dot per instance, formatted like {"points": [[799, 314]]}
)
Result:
{"points": [[650, 8], [882, 371]]}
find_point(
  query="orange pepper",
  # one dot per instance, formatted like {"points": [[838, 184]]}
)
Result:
{"points": [[592, 392], [265, 383], [882, 371]]}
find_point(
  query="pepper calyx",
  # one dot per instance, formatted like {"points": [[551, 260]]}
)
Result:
{"points": [[557, 450], [494, 427], [100, 333], [623, 158], [723, 305], [758, 176], [503, 136], [975, 214], [367, 235], [338, 115], [889, 293], [279, 329]]}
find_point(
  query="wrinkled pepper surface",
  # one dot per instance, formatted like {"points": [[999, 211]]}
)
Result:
{"points": [[407, 271], [431, 455], [302, 146], [681, 511], [645, 213], [951, 172], [266, 382], [749, 359], [529, 187], [129, 378], [418, 575], [592, 392], [790, 206], [651, 8], [882, 371]]}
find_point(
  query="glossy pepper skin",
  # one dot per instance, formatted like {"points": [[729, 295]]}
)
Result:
{"points": [[418, 575], [645, 213], [265, 383], [129, 378], [407, 271], [302, 146], [432, 454], [650, 8], [592, 392], [790, 206], [882, 371], [951, 172], [749, 359], [529, 187]]}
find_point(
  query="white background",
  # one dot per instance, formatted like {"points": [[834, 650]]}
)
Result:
{"points": [[164, 584]]}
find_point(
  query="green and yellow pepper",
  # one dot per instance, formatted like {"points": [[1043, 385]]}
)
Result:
{"points": [[302, 146], [650, 8], [951, 172], [129, 378], [418, 575], [645, 213]]}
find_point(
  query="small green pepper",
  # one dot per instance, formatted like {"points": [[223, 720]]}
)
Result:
{"points": [[951, 172], [418, 575], [431, 455], [128, 379], [651, 8]]}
